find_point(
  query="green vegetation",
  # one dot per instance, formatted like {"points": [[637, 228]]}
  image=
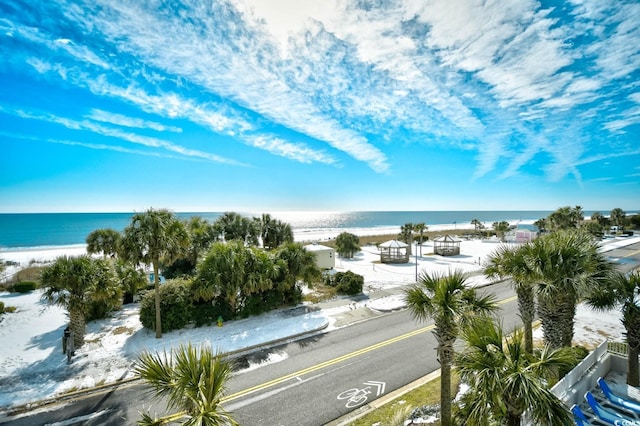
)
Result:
{"points": [[501, 228], [347, 245], [175, 304], [25, 286], [192, 381], [75, 283], [105, 241], [504, 380], [347, 282], [623, 290]]}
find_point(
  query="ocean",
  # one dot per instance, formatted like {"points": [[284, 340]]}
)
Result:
{"points": [[41, 230]]}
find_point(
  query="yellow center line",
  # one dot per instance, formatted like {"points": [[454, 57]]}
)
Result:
{"points": [[334, 361]]}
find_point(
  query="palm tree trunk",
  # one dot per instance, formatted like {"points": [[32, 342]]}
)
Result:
{"points": [[156, 286], [445, 354], [633, 373], [527, 310], [77, 326], [513, 420], [557, 313], [567, 315]]}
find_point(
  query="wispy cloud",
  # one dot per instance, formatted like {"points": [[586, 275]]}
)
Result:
{"points": [[96, 146], [124, 121], [297, 152], [118, 134]]}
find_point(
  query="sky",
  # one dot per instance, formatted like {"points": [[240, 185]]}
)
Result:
{"points": [[280, 105]]}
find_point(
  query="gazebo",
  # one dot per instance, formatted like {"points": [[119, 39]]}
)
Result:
{"points": [[446, 246], [394, 251]]}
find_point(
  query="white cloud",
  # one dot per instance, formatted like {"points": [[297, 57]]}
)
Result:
{"points": [[125, 121], [91, 145], [118, 134], [297, 152]]}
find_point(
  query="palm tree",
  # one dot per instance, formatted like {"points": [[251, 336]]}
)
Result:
{"points": [[231, 272], [103, 241], [600, 219], [577, 216], [74, 283], [420, 228], [624, 291], [505, 380], [449, 302], [347, 244], [300, 264], [406, 235], [152, 237], [201, 235], [233, 226], [131, 279], [273, 232], [510, 262], [193, 381], [501, 228], [477, 225], [541, 224], [562, 218], [617, 217], [563, 264]]}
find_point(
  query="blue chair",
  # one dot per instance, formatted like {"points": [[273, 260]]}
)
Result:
{"points": [[608, 416], [617, 399], [579, 417]]}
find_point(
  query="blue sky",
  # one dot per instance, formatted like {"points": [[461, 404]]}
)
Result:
{"points": [[275, 105]]}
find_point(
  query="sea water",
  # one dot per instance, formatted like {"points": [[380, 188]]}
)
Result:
{"points": [[31, 230]]}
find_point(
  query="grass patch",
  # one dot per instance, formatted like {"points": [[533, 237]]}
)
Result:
{"points": [[427, 394], [122, 330], [320, 293]]}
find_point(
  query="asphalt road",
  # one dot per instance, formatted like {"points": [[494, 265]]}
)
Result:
{"points": [[308, 382]]}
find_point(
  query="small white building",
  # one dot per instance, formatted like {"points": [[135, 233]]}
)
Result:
{"points": [[325, 256], [520, 236]]}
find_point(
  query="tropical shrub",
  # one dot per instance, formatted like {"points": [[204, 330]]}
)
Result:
{"points": [[207, 313], [346, 282], [175, 306], [132, 280], [25, 286], [233, 272]]}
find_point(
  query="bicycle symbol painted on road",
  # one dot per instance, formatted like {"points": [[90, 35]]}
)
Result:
{"points": [[356, 397]]}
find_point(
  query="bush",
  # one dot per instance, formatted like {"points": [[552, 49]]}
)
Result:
{"points": [[30, 273], [25, 286], [579, 353], [175, 306], [346, 282], [1, 307], [207, 313]]}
